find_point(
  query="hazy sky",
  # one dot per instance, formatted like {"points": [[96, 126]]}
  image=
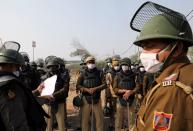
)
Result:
{"points": [[100, 25]]}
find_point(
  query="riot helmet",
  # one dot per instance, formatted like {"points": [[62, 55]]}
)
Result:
{"points": [[154, 21], [77, 101], [9, 53]]}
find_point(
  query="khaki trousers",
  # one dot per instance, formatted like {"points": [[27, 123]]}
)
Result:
{"points": [[89, 112], [59, 117], [122, 116]]}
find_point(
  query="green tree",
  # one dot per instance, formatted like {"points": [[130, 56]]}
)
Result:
{"points": [[135, 58]]}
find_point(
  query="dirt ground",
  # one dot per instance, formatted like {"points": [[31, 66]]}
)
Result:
{"points": [[73, 118]]}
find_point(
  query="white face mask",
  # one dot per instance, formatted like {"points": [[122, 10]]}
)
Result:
{"points": [[91, 66], [109, 64], [116, 68], [150, 62], [142, 69], [132, 67], [125, 68], [16, 73]]}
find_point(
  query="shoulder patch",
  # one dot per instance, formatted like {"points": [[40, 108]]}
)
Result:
{"points": [[162, 121]]}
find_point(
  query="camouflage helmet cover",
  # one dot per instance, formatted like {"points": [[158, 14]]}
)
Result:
{"points": [[89, 58], [126, 61], [108, 60], [52, 62]]}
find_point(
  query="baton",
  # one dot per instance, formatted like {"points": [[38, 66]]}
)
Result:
{"points": [[128, 111], [92, 116]]}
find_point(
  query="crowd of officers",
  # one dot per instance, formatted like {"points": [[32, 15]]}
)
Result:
{"points": [[23, 108], [161, 89], [121, 81]]}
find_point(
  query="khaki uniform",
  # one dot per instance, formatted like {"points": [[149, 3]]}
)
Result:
{"points": [[123, 116], [111, 98], [59, 117], [92, 113], [91, 108], [168, 105], [57, 107]]}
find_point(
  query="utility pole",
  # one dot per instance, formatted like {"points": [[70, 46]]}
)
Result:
{"points": [[33, 46], [1, 42]]}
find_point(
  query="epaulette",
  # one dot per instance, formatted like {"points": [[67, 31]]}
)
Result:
{"points": [[187, 89]]}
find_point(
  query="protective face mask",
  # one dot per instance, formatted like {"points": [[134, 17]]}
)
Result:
{"points": [[91, 66], [125, 68], [16, 73], [109, 64], [132, 67], [150, 62], [141, 69], [116, 68]]}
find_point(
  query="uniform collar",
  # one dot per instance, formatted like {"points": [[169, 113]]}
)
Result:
{"points": [[172, 71]]}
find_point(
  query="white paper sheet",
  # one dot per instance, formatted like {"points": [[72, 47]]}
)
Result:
{"points": [[49, 84]]}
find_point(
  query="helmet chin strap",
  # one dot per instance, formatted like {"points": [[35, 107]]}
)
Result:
{"points": [[167, 61]]}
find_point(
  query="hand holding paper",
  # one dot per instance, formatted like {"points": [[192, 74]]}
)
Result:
{"points": [[49, 86]]}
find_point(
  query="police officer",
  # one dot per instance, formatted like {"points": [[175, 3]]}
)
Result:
{"points": [[55, 107], [33, 65], [110, 97], [90, 83], [108, 65], [19, 111], [165, 38], [65, 76], [140, 73], [123, 85], [29, 76], [40, 67], [78, 98]]}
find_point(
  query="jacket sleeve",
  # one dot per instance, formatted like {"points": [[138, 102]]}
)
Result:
{"points": [[115, 85], [103, 81], [80, 82], [138, 85], [64, 90], [12, 111]]}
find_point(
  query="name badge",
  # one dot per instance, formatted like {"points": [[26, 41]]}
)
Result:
{"points": [[167, 83]]}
